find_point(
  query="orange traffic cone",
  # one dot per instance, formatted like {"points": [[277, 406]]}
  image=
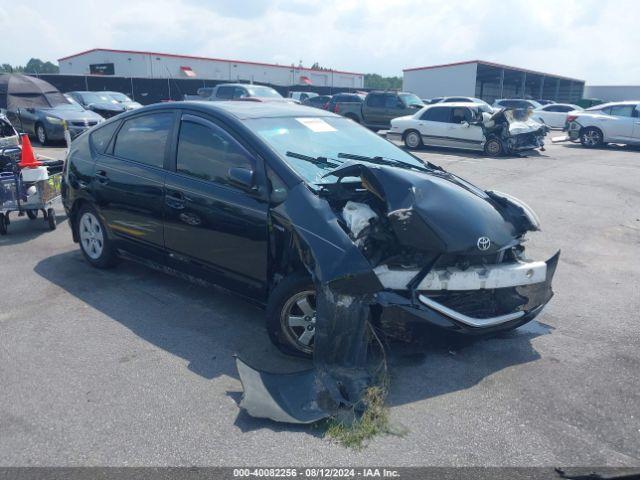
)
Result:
{"points": [[27, 158]]}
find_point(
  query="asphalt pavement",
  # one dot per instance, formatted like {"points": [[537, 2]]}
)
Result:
{"points": [[131, 367]]}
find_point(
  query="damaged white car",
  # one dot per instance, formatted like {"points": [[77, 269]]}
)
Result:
{"points": [[469, 126]]}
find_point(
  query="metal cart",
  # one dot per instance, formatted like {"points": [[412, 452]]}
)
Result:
{"points": [[29, 198]]}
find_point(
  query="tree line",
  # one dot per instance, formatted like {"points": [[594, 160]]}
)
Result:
{"points": [[34, 65]]}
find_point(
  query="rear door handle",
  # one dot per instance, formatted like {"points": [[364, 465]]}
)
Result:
{"points": [[175, 199], [101, 176]]}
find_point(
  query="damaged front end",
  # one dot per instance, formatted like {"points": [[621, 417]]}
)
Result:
{"points": [[409, 244], [516, 130]]}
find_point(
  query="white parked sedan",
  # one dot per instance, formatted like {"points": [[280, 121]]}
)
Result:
{"points": [[467, 126], [615, 122], [554, 115]]}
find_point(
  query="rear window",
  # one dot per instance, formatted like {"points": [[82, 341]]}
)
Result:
{"points": [[437, 114], [144, 139], [225, 92], [376, 101]]}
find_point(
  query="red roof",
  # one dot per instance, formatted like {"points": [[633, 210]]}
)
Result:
{"points": [[173, 55], [490, 64]]}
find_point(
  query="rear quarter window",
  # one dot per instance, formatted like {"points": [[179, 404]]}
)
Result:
{"points": [[101, 137]]}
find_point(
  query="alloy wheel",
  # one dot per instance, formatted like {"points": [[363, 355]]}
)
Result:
{"points": [[591, 138], [41, 134], [91, 235], [298, 320]]}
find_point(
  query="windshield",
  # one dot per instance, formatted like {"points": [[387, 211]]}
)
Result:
{"points": [[71, 107], [410, 99], [263, 92], [119, 97], [324, 137], [93, 97]]}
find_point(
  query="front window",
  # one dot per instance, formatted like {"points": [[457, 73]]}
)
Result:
{"points": [[323, 137], [410, 99]]}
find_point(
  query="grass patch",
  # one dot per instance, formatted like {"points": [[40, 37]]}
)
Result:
{"points": [[354, 432]]}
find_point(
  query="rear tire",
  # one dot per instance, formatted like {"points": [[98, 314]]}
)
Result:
{"points": [[3, 224], [353, 117], [95, 245], [413, 139], [493, 147], [291, 311], [591, 137]]}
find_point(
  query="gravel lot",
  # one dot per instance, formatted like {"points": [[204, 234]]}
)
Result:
{"points": [[133, 367]]}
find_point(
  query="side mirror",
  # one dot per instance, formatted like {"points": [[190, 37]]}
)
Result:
{"points": [[242, 177]]}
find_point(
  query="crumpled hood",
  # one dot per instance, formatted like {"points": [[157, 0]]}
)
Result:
{"points": [[108, 107], [528, 126], [436, 212]]}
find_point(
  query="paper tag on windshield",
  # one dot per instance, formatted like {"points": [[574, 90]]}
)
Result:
{"points": [[316, 124]]}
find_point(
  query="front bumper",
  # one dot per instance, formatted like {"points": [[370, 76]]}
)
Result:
{"points": [[509, 297]]}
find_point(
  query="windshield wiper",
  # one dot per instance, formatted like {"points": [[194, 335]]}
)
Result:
{"points": [[383, 161], [320, 161]]}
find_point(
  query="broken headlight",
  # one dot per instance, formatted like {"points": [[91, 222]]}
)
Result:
{"points": [[528, 211]]}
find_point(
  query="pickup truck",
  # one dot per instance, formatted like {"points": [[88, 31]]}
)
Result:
{"points": [[379, 108]]}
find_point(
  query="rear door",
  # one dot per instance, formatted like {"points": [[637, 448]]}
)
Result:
{"points": [[433, 125], [619, 122], [636, 124], [128, 181], [374, 109], [213, 227]]}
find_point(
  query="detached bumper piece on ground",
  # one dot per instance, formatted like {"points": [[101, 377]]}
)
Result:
{"points": [[422, 245]]}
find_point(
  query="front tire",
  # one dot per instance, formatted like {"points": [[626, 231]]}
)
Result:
{"points": [[32, 214], [41, 134], [291, 315], [591, 137], [95, 245], [412, 139], [493, 147]]}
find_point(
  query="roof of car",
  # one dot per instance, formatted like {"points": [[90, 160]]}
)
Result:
{"points": [[608, 104], [245, 110], [456, 104]]}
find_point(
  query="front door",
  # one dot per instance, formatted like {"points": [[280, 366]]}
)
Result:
{"points": [[375, 109], [128, 182], [211, 225], [460, 131]]}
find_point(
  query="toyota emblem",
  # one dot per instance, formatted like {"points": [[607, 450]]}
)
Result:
{"points": [[484, 243]]}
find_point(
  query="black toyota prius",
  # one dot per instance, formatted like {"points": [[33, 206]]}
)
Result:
{"points": [[274, 200]]}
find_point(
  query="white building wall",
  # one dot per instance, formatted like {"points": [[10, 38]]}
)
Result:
{"points": [[612, 93], [164, 66], [441, 81]]}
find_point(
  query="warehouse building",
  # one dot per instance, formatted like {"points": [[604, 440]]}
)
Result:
{"points": [[489, 81], [128, 63], [613, 93]]}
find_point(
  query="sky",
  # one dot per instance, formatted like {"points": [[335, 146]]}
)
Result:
{"points": [[593, 40]]}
